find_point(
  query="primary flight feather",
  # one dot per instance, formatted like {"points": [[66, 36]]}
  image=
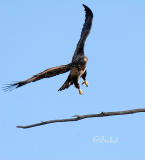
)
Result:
{"points": [[78, 66]]}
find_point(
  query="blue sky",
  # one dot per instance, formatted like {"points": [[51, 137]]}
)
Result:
{"points": [[36, 35]]}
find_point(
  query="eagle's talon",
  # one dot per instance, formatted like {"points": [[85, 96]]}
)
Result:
{"points": [[86, 83], [80, 91]]}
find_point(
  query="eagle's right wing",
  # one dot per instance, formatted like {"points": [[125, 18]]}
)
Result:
{"points": [[51, 72], [84, 34]]}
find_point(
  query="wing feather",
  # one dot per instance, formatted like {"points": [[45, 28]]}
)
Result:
{"points": [[85, 32], [51, 72]]}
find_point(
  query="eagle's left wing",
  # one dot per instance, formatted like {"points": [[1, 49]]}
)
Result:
{"points": [[51, 72], [84, 34]]}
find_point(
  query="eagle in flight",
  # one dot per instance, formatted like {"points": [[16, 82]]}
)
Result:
{"points": [[78, 66]]}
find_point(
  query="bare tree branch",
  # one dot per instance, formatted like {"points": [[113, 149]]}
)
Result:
{"points": [[78, 117]]}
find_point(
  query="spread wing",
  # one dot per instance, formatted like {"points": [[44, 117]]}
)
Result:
{"points": [[51, 72], [84, 34]]}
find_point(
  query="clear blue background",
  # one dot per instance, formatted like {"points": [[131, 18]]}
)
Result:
{"points": [[36, 35]]}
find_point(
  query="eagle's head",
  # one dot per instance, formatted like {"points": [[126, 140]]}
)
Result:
{"points": [[82, 61], [85, 58]]}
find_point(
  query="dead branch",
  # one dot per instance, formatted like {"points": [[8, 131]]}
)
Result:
{"points": [[78, 117]]}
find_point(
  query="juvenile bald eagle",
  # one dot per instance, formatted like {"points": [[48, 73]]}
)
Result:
{"points": [[77, 67]]}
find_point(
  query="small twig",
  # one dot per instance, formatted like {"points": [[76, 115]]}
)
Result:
{"points": [[78, 117]]}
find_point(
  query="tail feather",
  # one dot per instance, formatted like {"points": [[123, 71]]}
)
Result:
{"points": [[67, 84]]}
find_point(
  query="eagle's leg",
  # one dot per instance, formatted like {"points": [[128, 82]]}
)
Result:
{"points": [[77, 85], [84, 78], [80, 91]]}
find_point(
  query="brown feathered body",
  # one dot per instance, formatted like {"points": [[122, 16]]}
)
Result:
{"points": [[77, 67]]}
